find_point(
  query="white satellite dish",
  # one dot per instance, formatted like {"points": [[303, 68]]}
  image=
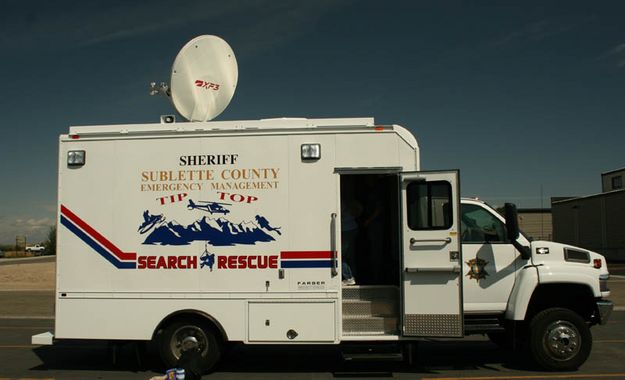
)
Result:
{"points": [[203, 78]]}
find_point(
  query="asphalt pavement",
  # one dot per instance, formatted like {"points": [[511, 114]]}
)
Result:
{"points": [[25, 313], [23, 260], [472, 358]]}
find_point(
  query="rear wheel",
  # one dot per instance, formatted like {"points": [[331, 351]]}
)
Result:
{"points": [[560, 339], [170, 343]]}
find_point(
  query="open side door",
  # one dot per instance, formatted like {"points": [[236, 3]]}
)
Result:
{"points": [[432, 257]]}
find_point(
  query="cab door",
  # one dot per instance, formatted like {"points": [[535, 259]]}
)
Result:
{"points": [[432, 257]]}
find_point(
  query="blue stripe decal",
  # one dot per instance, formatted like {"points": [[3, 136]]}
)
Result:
{"points": [[306, 263], [97, 247]]}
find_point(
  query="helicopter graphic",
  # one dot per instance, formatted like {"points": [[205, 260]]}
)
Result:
{"points": [[212, 207]]}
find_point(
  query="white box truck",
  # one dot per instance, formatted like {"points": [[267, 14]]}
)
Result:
{"points": [[240, 231]]}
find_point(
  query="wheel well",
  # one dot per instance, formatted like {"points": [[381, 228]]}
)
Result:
{"points": [[193, 315], [576, 297]]}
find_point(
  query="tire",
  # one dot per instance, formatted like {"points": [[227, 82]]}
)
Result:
{"points": [[171, 338], [560, 340]]}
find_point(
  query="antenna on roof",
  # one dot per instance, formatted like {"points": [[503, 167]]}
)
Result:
{"points": [[203, 79]]}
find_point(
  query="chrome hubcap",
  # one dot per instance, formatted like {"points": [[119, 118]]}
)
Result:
{"points": [[562, 340], [185, 331]]}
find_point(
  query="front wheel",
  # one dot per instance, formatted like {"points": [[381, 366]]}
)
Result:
{"points": [[170, 344], [560, 339]]}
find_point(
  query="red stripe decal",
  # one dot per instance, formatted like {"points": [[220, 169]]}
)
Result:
{"points": [[96, 235], [306, 254]]}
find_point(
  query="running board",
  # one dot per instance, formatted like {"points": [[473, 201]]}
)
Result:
{"points": [[482, 325], [376, 352], [395, 357]]}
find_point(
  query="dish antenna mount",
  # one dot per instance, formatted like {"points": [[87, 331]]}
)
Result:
{"points": [[203, 79]]}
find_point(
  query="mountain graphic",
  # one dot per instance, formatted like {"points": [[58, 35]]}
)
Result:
{"points": [[216, 232]]}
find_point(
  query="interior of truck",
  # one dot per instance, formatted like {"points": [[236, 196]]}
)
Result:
{"points": [[369, 223], [370, 250]]}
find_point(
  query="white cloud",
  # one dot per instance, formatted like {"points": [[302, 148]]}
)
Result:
{"points": [[35, 229], [259, 23], [281, 23], [617, 53], [536, 31]]}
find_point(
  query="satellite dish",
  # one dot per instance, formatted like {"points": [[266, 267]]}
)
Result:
{"points": [[203, 78]]}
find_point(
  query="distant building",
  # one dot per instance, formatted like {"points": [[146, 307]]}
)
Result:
{"points": [[536, 223], [612, 180], [595, 222]]}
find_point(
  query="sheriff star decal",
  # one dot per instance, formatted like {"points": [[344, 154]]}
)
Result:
{"points": [[476, 269]]}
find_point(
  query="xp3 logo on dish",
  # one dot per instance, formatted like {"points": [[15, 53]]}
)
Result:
{"points": [[207, 85]]}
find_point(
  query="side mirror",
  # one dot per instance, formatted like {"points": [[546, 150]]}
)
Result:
{"points": [[512, 221], [512, 228]]}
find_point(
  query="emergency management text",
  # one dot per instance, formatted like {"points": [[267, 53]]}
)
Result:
{"points": [[171, 186]]}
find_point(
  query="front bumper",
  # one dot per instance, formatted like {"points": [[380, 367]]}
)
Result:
{"points": [[604, 308]]}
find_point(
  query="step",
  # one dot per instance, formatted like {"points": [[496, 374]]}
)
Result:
{"points": [[370, 292], [370, 352], [482, 328], [481, 324], [396, 356], [370, 326], [371, 308]]}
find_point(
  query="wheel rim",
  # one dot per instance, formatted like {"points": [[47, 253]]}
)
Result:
{"points": [[175, 344], [562, 340]]}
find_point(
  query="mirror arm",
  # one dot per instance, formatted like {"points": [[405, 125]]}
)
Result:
{"points": [[525, 251]]}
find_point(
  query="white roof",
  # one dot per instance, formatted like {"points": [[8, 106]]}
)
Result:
{"points": [[265, 124]]}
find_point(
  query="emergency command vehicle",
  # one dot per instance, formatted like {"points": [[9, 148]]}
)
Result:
{"points": [[236, 231]]}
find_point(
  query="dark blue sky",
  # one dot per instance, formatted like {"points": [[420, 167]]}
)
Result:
{"points": [[517, 95]]}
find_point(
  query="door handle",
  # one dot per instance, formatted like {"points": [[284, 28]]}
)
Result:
{"points": [[333, 245], [446, 240]]}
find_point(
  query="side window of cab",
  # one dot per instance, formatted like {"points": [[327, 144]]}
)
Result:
{"points": [[478, 225]]}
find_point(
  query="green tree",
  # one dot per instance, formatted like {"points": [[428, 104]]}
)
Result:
{"points": [[50, 243]]}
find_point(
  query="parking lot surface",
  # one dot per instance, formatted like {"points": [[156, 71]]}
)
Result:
{"points": [[27, 312], [472, 358]]}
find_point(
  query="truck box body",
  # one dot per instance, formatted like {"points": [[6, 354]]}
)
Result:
{"points": [[224, 218], [246, 231]]}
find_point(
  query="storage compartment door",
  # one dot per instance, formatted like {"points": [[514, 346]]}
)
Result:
{"points": [[292, 322]]}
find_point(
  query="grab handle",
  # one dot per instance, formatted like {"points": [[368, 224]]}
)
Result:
{"points": [[446, 240], [333, 244]]}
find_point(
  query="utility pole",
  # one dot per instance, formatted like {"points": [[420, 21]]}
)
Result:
{"points": [[542, 215]]}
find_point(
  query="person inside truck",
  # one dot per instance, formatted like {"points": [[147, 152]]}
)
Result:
{"points": [[372, 223], [349, 231]]}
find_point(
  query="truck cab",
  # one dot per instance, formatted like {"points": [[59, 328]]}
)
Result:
{"points": [[538, 296], [501, 279]]}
